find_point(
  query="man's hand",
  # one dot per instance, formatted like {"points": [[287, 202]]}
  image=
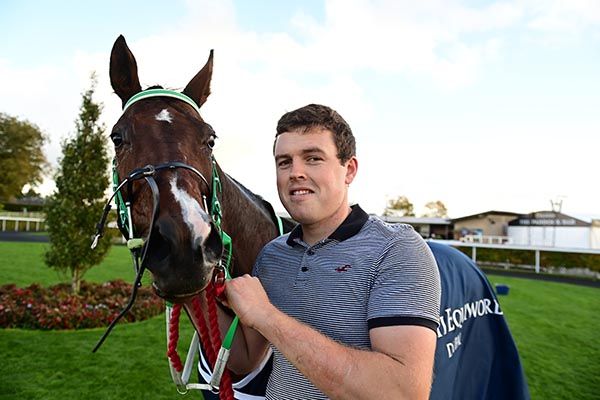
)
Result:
{"points": [[248, 299]]}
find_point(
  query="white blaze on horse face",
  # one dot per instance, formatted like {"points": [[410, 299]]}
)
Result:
{"points": [[194, 216], [164, 115]]}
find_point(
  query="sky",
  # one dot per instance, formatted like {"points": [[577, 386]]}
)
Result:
{"points": [[483, 105]]}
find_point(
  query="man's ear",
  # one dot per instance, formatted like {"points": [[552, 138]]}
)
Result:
{"points": [[351, 169]]}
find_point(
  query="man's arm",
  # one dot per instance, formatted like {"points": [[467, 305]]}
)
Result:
{"points": [[399, 366]]}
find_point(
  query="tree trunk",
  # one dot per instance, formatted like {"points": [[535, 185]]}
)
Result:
{"points": [[76, 281]]}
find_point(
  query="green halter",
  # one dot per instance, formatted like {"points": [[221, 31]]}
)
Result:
{"points": [[135, 244], [124, 211], [160, 93], [124, 215]]}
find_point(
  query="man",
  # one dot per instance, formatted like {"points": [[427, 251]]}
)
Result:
{"points": [[349, 303]]}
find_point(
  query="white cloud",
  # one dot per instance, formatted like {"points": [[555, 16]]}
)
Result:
{"points": [[563, 16], [259, 76]]}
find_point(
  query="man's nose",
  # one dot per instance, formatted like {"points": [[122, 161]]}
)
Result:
{"points": [[297, 171]]}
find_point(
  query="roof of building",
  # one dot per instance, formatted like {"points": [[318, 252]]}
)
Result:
{"points": [[548, 218], [417, 220], [486, 213]]}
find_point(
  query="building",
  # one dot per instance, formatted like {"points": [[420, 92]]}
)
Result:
{"points": [[595, 234], [551, 228], [542, 228], [489, 224], [438, 228]]}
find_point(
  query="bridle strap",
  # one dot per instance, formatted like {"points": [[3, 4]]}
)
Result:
{"points": [[139, 173], [136, 245], [148, 172], [160, 93], [138, 263], [151, 169]]}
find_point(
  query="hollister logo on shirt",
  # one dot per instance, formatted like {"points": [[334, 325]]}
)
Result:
{"points": [[343, 268]]}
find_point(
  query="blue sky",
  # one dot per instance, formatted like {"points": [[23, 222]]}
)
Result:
{"points": [[481, 104]]}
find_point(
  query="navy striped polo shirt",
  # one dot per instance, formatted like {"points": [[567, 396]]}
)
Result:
{"points": [[366, 274]]}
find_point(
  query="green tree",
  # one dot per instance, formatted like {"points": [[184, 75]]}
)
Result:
{"points": [[81, 181], [22, 160], [435, 209], [399, 206]]}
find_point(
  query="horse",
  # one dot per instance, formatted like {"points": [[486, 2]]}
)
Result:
{"points": [[164, 148], [162, 138], [185, 242]]}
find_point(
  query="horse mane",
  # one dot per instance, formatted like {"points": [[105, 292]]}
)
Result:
{"points": [[267, 208]]}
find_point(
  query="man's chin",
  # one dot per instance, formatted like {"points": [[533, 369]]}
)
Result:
{"points": [[301, 211], [303, 217]]}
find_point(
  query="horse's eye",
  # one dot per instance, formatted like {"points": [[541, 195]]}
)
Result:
{"points": [[211, 142], [116, 138]]}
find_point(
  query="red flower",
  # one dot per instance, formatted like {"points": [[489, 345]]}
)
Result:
{"points": [[55, 307]]}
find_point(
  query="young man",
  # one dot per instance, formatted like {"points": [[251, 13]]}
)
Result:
{"points": [[349, 303]]}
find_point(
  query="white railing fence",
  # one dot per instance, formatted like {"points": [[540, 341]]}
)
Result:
{"points": [[17, 222], [489, 239], [537, 249]]}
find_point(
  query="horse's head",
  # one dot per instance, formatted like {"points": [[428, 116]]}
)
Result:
{"points": [[184, 242]]}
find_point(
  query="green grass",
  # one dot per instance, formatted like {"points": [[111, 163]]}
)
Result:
{"points": [[60, 365], [23, 264], [131, 364], [554, 325]]}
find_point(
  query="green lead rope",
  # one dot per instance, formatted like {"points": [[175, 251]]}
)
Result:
{"points": [[215, 210], [223, 355]]}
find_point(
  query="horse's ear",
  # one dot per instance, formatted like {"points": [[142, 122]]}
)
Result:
{"points": [[123, 71], [199, 87]]}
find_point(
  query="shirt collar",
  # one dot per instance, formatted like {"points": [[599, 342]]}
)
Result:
{"points": [[350, 227]]}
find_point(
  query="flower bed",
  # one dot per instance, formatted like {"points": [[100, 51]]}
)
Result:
{"points": [[37, 307]]}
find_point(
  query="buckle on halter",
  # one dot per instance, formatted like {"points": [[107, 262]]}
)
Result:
{"points": [[182, 389], [148, 170], [219, 282]]}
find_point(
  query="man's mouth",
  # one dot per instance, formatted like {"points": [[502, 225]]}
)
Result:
{"points": [[300, 192]]}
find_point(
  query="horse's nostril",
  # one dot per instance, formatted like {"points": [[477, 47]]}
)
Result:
{"points": [[159, 245], [213, 243]]}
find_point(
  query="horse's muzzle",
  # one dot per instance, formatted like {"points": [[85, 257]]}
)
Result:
{"points": [[180, 267]]}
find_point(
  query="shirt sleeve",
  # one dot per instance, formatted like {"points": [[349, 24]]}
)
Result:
{"points": [[256, 267], [406, 289]]}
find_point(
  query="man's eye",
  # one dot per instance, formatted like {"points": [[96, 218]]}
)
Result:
{"points": [[283, 163]]}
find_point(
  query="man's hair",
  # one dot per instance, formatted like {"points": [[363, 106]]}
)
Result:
{"points": [[317, 116]]}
